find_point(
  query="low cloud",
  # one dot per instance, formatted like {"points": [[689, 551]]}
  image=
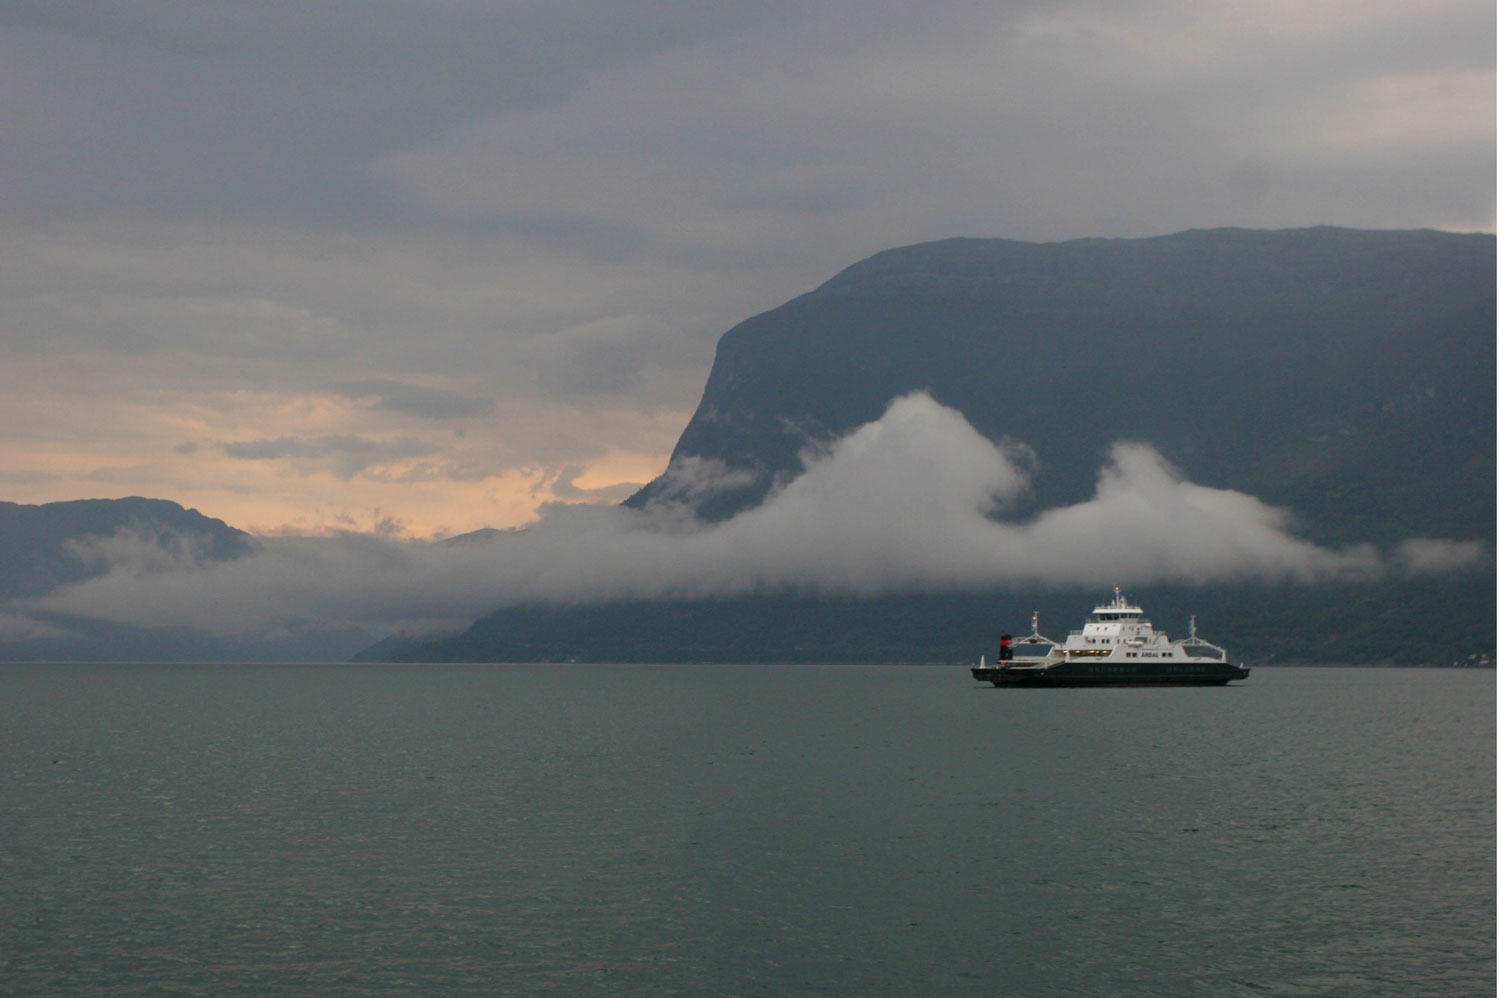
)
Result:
{"points": [[22, 627], [137, 553], [1425, 556], [690, 479], [914, 501]]}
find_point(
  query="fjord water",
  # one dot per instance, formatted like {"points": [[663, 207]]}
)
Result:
{"points": [[637, 830]]}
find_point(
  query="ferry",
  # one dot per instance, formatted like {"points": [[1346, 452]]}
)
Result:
{"points": [[1118, 646]]}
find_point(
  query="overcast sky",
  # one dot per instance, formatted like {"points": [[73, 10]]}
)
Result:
{"points": [[424, 267]]}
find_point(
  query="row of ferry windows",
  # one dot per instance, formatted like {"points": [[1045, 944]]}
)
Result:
{"points": [[1126, 668], [1140, 654]]}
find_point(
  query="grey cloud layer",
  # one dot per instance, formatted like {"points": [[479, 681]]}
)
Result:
{"points": [[449, 188], [417, 400], [913, 501], [345, 456]]}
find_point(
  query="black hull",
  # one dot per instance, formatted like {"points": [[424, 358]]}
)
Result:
{"points": [[1112, 674]]}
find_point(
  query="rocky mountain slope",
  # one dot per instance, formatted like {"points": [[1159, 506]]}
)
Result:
{"points": [[1348, 375]]}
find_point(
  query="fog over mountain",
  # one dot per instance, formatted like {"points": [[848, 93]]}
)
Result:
{"points": [[914, 501], [62, 543]]}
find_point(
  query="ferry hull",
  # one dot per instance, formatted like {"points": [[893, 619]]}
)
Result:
{"points": [[1096, 674]]}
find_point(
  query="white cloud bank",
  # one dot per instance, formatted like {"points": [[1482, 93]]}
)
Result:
{"points": [[912, 501]]}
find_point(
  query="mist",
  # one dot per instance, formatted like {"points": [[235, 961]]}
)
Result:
{"points": [[914, 502]]}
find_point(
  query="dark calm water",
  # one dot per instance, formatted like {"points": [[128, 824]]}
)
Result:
{"points": [[581, 830]]}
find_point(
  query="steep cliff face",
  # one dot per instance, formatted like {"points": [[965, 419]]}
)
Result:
{"points": [[1347, 375]]}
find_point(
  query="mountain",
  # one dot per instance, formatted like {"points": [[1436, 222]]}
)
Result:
{"points": [[55, 544], [1345, 375]]}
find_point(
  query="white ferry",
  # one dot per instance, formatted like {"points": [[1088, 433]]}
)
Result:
{"points": [[1118, 646]]}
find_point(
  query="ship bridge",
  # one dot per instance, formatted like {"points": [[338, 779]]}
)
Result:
{"points": [[1119, 608], [1118, 622]]}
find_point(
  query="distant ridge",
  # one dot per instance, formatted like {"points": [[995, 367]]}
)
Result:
{"points": [[48, 546], [1444, 621], [40, 545]]}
